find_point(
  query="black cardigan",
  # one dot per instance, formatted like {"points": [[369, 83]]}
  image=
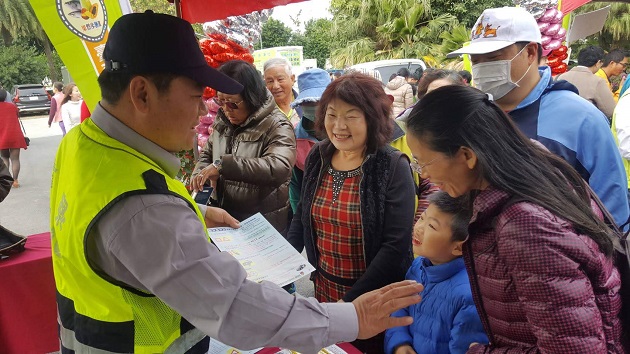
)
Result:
{"points": [[387, 211]]}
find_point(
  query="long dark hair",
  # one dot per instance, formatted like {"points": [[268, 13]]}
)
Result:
{"points": [[507, 159], [254, 92]]}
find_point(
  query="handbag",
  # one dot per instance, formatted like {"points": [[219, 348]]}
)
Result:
{"points": [[10, 243], [26, 139]]}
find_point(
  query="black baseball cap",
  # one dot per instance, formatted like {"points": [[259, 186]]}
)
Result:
{"points": [[147, 43]]}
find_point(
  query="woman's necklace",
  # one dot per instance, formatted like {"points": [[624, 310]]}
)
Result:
{"points": [[339, 177]]}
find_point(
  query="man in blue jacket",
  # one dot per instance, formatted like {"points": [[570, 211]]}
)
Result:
{"points": [[504, 50]]}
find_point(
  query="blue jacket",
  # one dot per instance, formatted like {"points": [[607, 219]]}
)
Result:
{"points": [[446, 320], [574, 129]]}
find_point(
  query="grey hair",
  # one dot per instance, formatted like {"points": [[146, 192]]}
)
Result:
{"points": [[278, 61]]}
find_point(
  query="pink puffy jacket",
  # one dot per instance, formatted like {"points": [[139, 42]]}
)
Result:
{"points": [[539, 286]]}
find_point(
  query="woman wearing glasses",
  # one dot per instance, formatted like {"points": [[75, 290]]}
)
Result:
{"points": [[538, 256], [249, 156], [356, 209]]}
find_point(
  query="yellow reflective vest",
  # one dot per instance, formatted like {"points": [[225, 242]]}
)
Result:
{"points": [[92, 172], [613, 127]]}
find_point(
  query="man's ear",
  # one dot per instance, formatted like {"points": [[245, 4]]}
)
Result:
{"points": [[532, 52], [140, 91]]}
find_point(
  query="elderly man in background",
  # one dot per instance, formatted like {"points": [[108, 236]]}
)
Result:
{"points": [[279, 78], [590, 86]]}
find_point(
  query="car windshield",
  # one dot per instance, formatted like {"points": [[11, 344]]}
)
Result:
{"points": [[32, 91]]}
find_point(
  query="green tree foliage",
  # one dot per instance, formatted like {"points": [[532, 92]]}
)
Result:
{"points": [[16, 19], [27, 66], [616, 31], [386, 29], [317, 40], [467, 11], [276, 34], [158, 6]]}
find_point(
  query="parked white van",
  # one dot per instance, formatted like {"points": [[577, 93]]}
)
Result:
{"points": [[388, 67]]}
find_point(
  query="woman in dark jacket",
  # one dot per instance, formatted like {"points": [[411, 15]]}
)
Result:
{"points": [[356, 210], [250, 154], [5, 180], [539, 256]]}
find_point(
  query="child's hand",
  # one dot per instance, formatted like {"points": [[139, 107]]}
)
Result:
{"points": [[404, 349]]}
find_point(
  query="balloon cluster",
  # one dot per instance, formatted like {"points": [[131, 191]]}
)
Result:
{"points": [[204, 129], [230, 39], [536, 7], [553, 34]]}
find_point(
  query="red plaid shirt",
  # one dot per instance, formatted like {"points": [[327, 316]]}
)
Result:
{"points": [[339, 237]]}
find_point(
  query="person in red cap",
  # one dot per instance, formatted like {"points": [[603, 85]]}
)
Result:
{"points": [[134, 268]]}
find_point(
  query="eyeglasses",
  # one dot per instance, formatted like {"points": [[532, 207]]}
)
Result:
{"points": [[417, 168], [625, 65], [228, 104]]}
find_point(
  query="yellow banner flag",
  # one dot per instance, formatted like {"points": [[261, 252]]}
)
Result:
{"points": [[78, 30]]}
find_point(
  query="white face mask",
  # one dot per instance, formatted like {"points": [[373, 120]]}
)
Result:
{"points": [[494, 77]]}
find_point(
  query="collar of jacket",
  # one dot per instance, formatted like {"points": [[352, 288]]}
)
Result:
{"points": [[437, 273], [488, 203], [397, 133], [263, 112], [544, 85]]}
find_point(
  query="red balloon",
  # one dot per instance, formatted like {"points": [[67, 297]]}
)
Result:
{"points": [[553, 61], [563, 56], [562, 50]]}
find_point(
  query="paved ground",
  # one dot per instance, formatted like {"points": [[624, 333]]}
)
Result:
{"points": [[26, 209]]}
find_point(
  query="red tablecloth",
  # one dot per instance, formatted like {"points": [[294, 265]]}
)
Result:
{"points": [[28, 311]]}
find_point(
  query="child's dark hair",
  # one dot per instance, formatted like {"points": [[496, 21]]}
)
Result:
{"points": [[456, 207]]}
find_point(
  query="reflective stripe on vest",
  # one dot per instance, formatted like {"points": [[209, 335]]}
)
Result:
{"points": [[96, 313]]}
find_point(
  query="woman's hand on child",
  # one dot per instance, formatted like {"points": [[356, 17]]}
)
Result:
{"points": [[404, 349]]}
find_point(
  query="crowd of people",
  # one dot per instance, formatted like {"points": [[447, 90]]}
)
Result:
{"points": [[439, 217], [66, 108]]}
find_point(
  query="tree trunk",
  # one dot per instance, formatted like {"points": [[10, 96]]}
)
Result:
{"points": [[49, 58], [6, 36]]}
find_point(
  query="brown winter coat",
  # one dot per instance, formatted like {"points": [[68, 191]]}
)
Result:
{"points": [[257, 158]]}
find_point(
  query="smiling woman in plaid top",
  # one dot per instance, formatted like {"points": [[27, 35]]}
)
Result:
{"points": [[356, 210], [539, 254]]}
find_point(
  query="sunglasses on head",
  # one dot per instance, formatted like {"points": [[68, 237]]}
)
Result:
{"points": [[228, 104]]}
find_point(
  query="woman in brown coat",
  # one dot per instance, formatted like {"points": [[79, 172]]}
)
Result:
{"points": [[250, 154]]}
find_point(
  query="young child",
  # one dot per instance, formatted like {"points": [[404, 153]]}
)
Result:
{"points": [[446, 320]]}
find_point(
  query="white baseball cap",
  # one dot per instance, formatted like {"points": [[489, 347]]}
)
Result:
{"points": [[498, 28]]}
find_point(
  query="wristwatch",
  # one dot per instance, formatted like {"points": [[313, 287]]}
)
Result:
{"points": [[217, 164]]}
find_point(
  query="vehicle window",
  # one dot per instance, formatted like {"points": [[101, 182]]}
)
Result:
{"points": [[387, 71], [32, 92]]}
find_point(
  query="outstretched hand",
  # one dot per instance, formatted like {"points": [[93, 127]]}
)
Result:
{"points": [[216, 217], [374, 308]]}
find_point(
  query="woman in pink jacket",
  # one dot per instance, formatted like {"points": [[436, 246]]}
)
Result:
{"points": [[54, 116], [539, 256]]}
